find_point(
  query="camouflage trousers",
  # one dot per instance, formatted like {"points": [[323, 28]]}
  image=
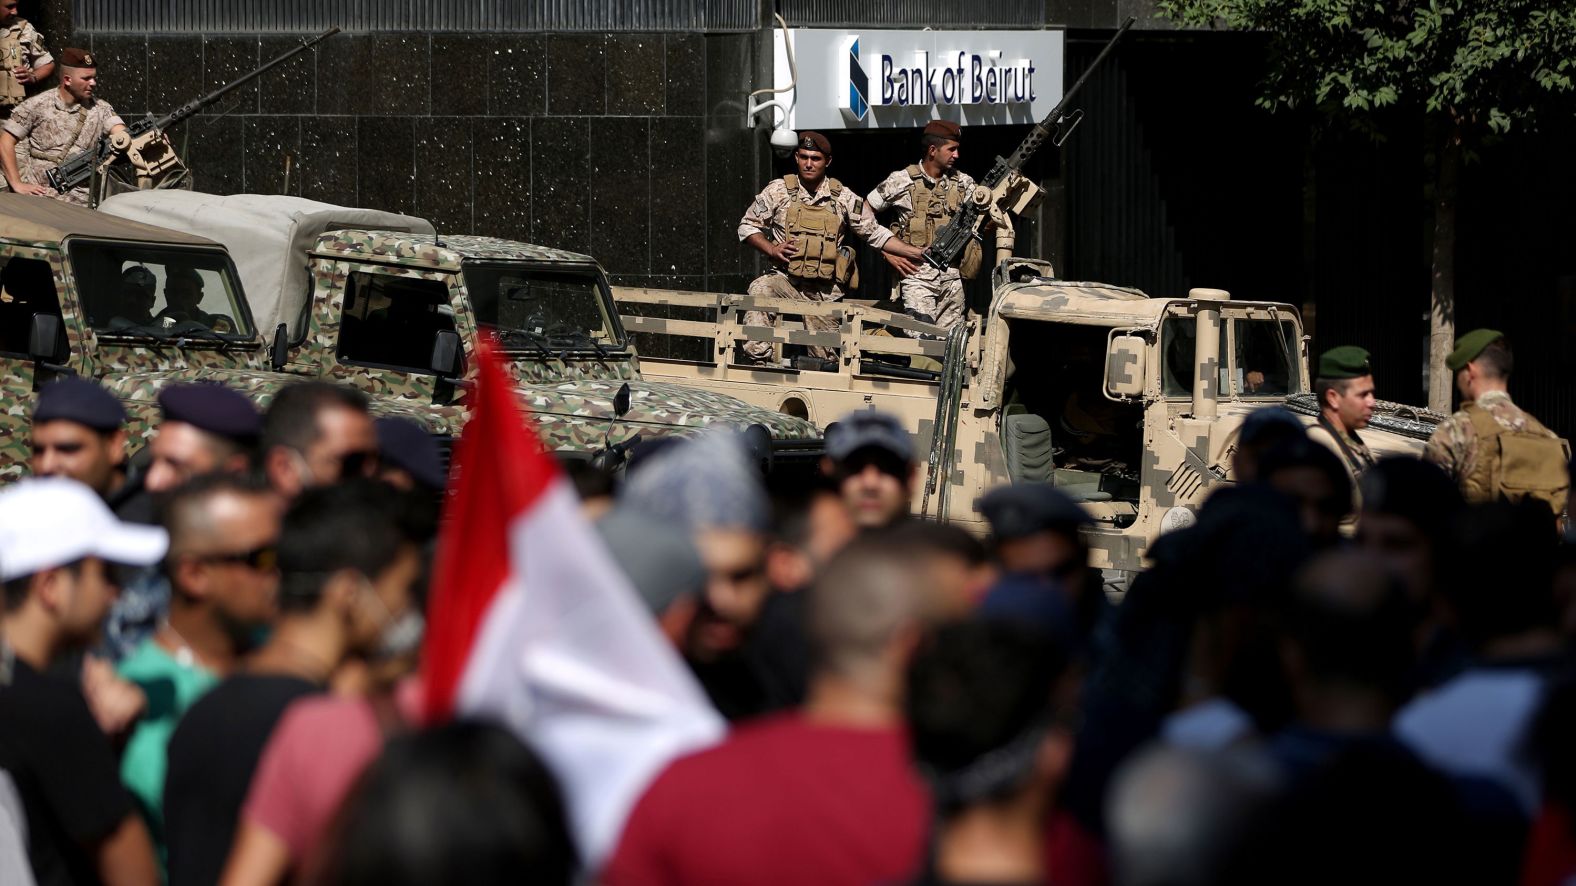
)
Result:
{"points": [[775, 284], [933, 296]]}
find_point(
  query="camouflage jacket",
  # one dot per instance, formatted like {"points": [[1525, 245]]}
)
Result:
{"points": [[768, 213], [1454, 445], [1349, 447]]}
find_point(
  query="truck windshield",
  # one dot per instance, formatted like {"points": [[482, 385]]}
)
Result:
{"points": [[147, 291], [531, 307], [1262, 362]]}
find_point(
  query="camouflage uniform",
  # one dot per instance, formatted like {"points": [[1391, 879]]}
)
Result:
{"points": [[49, 131], [768, 215], [20, 44], [1349, 447], [1454, 445], [928, 294]]}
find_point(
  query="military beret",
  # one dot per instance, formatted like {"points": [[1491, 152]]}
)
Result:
{"points": [[140, 277], [811, 140], [73, 57], [1028, 508], [80, 400], [407, 445], [213, 408], [868, 429], [945, 129], [1469, 346], [1346, 361]]}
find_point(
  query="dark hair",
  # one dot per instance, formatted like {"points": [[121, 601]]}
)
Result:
{"points": [[1496, 360], [1301, 452], [793, 499], [590, 480], [16, 589], [1323, 385], [1497, 569], [931, 140], [927, 536], [465, 802], [291, 419], [1353, 624], [980, 696], [184, 507], [350, 525]]}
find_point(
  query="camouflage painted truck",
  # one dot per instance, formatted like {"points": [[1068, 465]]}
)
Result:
{"points": [[1131, 404], [64, 309], [381, 302]]}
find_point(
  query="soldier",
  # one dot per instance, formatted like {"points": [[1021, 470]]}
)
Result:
{"points": [[79, 431], [798, 222], [926, 195], [1490, 447], [1345, 388], [53, 126], [22, 55]]}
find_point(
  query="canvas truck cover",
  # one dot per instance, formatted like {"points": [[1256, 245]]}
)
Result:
{"points": [[268, 236]]}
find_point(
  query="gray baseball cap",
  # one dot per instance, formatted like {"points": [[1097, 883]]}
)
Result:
{"points": [[868, 429]]}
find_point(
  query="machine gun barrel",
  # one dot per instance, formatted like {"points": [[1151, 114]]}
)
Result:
{"points": [[1044, 129], [75, 171]]}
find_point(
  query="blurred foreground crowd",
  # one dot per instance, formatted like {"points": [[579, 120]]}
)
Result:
{"points": [[209, 670]]}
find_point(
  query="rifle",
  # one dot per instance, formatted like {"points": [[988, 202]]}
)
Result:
{"points": [[75, 171], [1004, 187]]}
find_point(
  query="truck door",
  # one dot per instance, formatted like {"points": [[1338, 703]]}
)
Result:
{"points": [[388, 323]]}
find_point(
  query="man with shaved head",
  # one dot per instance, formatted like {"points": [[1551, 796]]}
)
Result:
{"points": [[55, 126]]}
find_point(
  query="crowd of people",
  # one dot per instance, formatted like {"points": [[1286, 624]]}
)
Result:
{"points": [[210, 669]]}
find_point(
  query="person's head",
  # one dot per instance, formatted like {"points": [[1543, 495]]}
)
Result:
{"points": [[8, 11], [1348, 625], [464, 802], [408, 456], [958, 564], [1482, 362], [78, 74], [1261, 431], [1312, 475], [224, 558], [182, 287], [79, 432], [871, 458], [1408, 504], [595, 485], [206, 428], [662, 563], [344, 561], [987, 717], [315, 433], [809, 526], [865, 611], [58, 541], [1345, 387], [1497, 571], [1184, 817], [138, 291], [710, 487], [812, 157], [1035, 530], [939, 140]]}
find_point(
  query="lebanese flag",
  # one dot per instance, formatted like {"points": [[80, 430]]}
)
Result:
{"points": [[530, 622]]}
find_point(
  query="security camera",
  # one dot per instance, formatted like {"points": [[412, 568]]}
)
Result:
{"points": [[783, 142]]}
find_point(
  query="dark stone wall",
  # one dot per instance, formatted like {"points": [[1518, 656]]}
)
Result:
{"points": [[629, 147]]}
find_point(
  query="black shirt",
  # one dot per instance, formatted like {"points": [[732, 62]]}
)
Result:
{"points": [[65, 772], [212, 754]]}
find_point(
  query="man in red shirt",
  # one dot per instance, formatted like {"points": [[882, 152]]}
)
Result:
{"points": [[825, 794]]}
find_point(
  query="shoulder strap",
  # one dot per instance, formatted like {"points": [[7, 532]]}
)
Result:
{"points": [[791, 181], [914, 172], [836, 186], [1484, 424]]}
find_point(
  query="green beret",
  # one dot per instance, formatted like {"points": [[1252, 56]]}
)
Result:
{"points": [[1346, 361], [1469, 346]]}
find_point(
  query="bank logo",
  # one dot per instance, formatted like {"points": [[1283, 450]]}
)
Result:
{"points": [[857, 103]]}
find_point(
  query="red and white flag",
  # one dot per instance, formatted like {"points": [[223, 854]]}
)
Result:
{"points": [[532, 623]]}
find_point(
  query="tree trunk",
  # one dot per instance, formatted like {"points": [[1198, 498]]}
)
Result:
{"points": [[1442, 311]]}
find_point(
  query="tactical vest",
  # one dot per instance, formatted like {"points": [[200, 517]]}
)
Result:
{"points": [[11, 91], [1513, 465], [817, 229], [934, 204]]}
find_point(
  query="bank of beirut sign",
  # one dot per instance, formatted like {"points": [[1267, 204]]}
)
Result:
{"points": [[875, 79]]}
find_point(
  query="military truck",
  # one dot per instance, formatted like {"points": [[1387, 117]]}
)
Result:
{"points": [[1130, 404], [381, 302], [102, 297]]}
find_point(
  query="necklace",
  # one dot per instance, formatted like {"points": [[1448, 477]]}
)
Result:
{"points": [[184, 656]]}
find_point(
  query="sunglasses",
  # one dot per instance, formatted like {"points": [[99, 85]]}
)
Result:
{"points": [[883, 461], [358, 464], [259, 559]]}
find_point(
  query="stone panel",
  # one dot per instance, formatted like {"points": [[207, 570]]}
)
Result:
{"points": [[216, 153], [685, 75], [443, 173], [502, 152], [560, 182], [620, 194], [123, 72], [329, 159], [678, 184], [576, 75], [517, 76], [386, 163], [635, 82], [271, 143], [174, 73], [378, 74], [225, 60], [291, 88]]}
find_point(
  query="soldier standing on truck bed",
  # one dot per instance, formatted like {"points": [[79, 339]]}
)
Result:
{"points": [[926, 195], [1345, 388], [798, 222], [1490, 447], [55, 125], [23, 57]]}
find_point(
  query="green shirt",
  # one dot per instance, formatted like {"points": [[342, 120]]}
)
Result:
{"points": [[171, 688]]}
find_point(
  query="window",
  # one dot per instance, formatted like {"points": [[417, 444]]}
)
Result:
{"points": [[393, 321], [1177, 344], [531, 308], [148, 291], [1262, 364], [27, 287]]}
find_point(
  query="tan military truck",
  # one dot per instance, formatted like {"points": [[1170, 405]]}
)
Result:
{"points": [[381, 302], [132, 305], [1129, 403]]}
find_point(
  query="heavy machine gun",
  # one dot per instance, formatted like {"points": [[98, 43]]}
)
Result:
{"points": [[1004, 192], [144, 143]]}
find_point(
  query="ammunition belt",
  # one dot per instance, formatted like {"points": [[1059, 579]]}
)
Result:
{"points": [[1398, 418]]}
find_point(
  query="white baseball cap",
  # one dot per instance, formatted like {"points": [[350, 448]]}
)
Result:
{"points": [[52, 521]]}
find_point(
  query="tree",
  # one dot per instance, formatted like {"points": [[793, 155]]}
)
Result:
{"points": [[1475, 69]]}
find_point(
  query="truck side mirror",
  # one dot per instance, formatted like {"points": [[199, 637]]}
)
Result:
{"points": [[446, 354], [621, 401], [1125, 367], [279, 350], [46, 339]]}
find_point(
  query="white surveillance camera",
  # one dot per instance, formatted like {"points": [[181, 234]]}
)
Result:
{"points": [[784, 141]]}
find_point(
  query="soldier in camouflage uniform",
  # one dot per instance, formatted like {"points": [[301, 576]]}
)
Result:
{"points": [[925, 196], [1345, 388], [23, 57], [1490, 447], [53, 126], [798, 222]]}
